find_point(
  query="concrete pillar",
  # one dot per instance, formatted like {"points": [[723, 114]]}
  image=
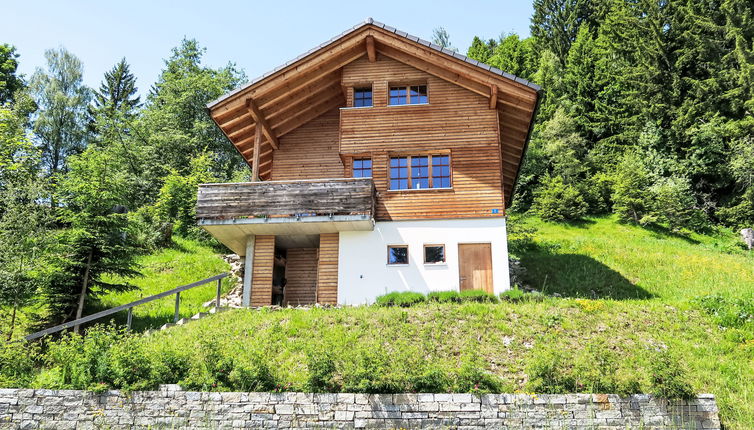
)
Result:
{"points": [[247, 271]]}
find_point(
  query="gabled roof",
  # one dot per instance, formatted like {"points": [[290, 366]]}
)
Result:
{"points": [[304, 88]]}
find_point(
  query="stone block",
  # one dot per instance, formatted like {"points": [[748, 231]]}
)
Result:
{"points": [[344, 415]]}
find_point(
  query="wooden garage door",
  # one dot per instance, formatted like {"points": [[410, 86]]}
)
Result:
{"points": [[475, 266]]}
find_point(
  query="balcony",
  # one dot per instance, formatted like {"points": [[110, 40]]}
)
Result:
{"points": [[231, 212]]}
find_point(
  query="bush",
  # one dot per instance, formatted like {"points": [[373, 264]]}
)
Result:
{"points": [[477, 296], [17, 364], [400, 298], [321, 377], [444, 297], [669, 379], [252, 374], [514, 295], [673, 203], [472, 377], [106, 357], [431, 380], [558, 201]]}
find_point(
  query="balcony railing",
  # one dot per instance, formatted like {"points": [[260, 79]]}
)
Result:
{"points": [[286, 199]]}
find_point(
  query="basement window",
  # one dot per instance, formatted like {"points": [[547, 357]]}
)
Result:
{"points": [[434, 254], [362, 97], [408, 94], [397, 254]]}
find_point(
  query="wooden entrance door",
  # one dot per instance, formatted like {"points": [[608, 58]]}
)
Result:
{"points": [[475, 266]]}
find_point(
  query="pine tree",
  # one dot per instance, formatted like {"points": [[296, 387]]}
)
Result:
{"points": [[579, 86], [117, 93], [441, 38], [481, 50], [515, 56], [555, 23]]}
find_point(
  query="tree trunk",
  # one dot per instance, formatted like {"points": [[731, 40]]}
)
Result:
{"points": [[82, 296], [12, 320]]}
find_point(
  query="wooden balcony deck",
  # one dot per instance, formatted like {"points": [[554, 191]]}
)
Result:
{"points": [[274, 199], [231, 212]]}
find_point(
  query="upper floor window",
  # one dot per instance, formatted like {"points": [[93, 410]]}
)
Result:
{"points": [[362, 97], [362, 168], [408, 94], [420, 172]]}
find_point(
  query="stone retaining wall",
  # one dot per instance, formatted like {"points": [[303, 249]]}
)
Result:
{"points": [[171, 408]]}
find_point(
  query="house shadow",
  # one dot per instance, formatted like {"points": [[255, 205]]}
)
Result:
{"points": [[576, 275]]}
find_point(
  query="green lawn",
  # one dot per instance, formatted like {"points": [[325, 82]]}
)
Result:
{"points": [[186, 262], [604, 259]]}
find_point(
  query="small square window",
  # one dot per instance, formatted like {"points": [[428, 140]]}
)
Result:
{"points": [[434, 254], [362, 168], [362, 97], [397, 254]]}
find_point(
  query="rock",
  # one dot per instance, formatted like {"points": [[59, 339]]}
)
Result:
{"points": [[747, 235], [517, 272]]}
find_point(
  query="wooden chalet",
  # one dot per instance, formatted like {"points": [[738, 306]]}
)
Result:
{"points": [[380, 162]]}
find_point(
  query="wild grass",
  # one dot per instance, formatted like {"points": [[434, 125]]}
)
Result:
{"points": [[185, 262], [639, 310]]}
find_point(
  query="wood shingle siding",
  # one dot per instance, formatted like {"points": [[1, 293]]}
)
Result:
{"points": [[311, 151], [327, 274], [301, 275], [261, 278], [455, 120]]}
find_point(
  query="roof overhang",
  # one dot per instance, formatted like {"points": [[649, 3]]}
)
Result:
{"points": [[304, 88]]}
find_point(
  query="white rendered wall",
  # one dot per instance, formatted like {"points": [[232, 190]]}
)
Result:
{"points": [[363, 272]]}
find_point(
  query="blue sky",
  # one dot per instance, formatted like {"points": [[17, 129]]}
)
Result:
{"points": [[257, 36]]}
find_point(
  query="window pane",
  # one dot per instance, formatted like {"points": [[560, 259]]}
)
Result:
{"points": [[418, 94], [367, 163], [420, 172], [434, 254], [397, 95], [398, 161], [441, 171], [397, 255]]}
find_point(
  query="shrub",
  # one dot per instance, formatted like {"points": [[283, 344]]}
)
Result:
{"points": [[477, 296], [17, 362], [252, 374], [431, 380], [673, 203], [631, 202], [558, 201], [472, 377], [514, 295], [321, 373], [400, 298], [669, 379], [444, 297]]}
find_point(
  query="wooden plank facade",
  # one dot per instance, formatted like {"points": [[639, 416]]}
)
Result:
{"points": [[299, 130]]}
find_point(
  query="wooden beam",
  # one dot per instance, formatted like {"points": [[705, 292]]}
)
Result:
{"points": [[493, 97], [371, 52], [255, 155], [261, 123]]}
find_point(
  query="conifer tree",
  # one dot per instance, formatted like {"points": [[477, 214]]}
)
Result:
{"points": [[117, 93]]}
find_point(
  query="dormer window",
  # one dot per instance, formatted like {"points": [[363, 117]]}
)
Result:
{"points": [[362, 97], [408, 94]]}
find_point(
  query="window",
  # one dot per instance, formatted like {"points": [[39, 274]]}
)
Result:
{"points": [[362, 168], [434, 254], [397, 254], [425, 172], [362, 97], [398, 173], [408, 94], [441, 171]]}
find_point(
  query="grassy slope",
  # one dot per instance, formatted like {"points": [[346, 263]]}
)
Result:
{"points": [[644, 281], [186, 262]]}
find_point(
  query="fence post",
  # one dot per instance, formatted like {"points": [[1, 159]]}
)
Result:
{"points": [[129, 318], [177, 306], [217, 300]]}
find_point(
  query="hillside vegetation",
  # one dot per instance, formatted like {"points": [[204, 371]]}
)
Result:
{"points": [[640, 311]]}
